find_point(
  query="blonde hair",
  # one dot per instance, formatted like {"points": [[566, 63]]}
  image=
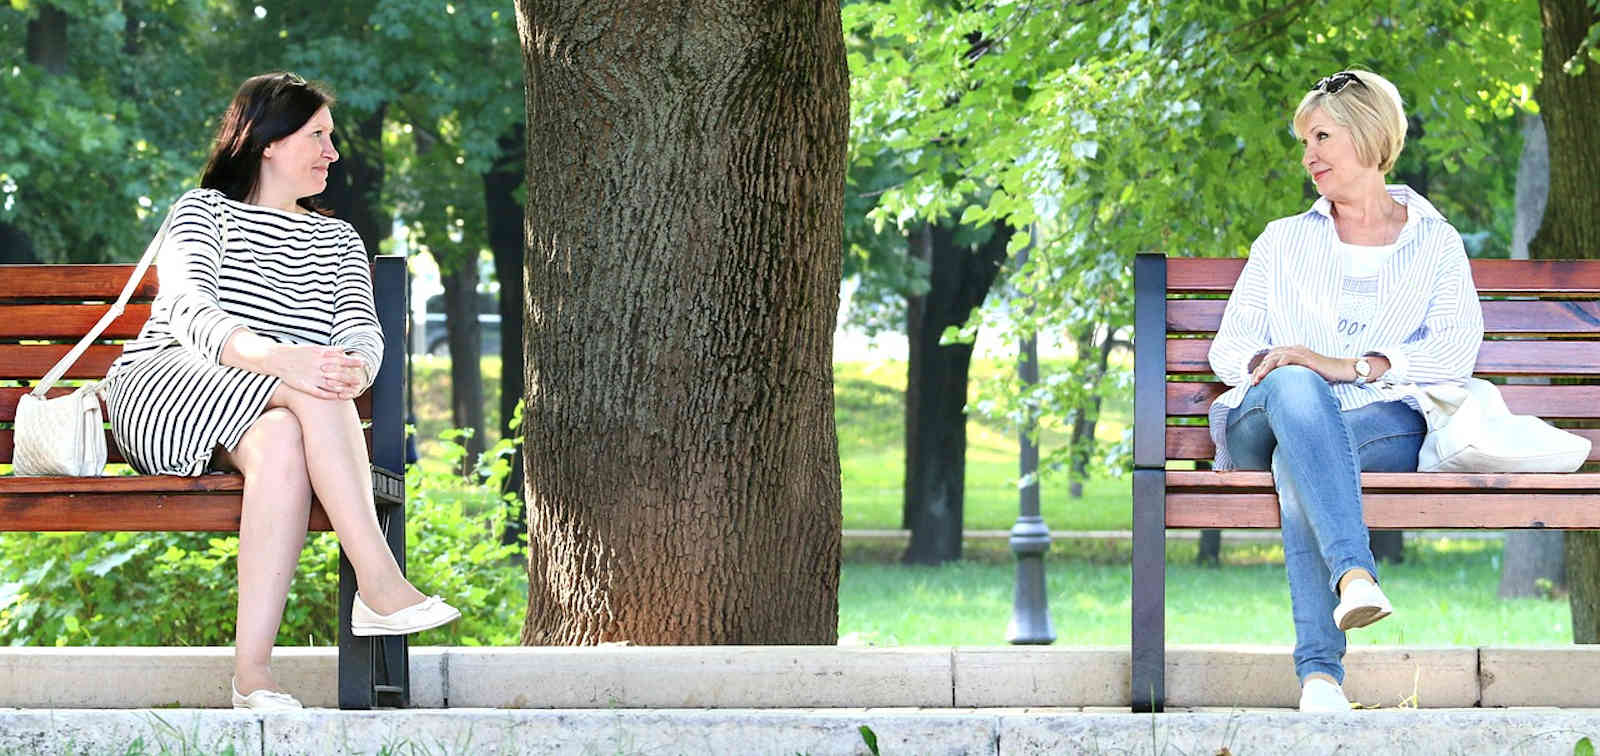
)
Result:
{"points": [[1370, 108]]}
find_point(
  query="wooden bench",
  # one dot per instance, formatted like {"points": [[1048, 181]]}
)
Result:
{"points": [[45, 309], [1541, 320]]}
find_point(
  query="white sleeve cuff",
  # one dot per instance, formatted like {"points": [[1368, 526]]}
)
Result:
{"points": [[1399, 364]]}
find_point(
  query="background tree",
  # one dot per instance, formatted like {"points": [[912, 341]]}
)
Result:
{"points": [[1569, 104], [685, 187]]}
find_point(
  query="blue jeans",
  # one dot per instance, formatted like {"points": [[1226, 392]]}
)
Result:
{"points": [[1291, 423]]}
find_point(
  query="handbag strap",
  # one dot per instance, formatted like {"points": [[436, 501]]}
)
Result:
{"points": [[150, 251]]}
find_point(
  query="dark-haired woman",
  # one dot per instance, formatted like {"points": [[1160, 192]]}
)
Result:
{"points": [[261, 335]]}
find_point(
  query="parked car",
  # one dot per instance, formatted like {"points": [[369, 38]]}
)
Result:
{"points": [[436, 339]]}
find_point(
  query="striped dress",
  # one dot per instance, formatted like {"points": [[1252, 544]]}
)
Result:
{"points": [[295, 278]]}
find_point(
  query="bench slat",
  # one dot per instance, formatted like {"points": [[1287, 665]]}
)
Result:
{"points": [[1192, 275], [71, 282], [68, 321], [1522, 318], [164, 512], [1536, 358], [1194, 442], [1193, 399], [1400, 511], [29, 362], [11, 394], [1247, 481]]}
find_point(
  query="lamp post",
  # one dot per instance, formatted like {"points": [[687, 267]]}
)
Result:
{"points": [[1030, 538]]}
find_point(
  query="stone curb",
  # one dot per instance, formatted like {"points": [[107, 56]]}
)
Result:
{"points": [[994, 732], [810, 676]]}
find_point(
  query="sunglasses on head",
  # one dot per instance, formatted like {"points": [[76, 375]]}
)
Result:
{"points": [[1336, 83]]}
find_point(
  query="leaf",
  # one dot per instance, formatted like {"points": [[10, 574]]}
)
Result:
{"points": [[110, 562], [1585, 747], [871, 739]]}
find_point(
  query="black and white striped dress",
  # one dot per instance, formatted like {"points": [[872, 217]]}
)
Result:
{"points": [[292, 277]]}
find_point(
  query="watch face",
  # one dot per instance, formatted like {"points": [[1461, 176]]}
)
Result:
{"points": [[1363, 368]]}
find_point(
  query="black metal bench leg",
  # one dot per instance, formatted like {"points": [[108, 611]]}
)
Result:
{"points": [[355, 653], [393, 655], [1149, 590]]}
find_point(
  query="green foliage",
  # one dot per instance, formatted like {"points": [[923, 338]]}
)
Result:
{"points": [[179, 589], [1584, 747], [1155, 126], [869, 739]]}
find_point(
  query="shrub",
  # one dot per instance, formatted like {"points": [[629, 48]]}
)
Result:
{"points": [[180, 589]]}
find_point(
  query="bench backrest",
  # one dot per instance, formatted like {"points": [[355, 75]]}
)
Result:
{"points": [[1541, 321], [46, 309]]}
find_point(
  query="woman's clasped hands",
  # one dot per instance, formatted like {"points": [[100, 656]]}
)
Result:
{"points": [[325, 372]]}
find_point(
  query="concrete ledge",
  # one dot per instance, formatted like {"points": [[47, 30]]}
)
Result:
{"points": [[180, 677], [990, 732], [810, 676], [1411, 732], [1263, 676], [79, 731], [1042, 676], [699, 676], [1541, 676]]}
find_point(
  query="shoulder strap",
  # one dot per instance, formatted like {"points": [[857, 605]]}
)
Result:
{"points": [[150, 251]]}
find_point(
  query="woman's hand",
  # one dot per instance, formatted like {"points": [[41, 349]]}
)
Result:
{"points": [[1332, 369], [323, 372]]}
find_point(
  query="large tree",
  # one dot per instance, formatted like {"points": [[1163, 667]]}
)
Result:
{"points": [[684, 211], [1569, 103]]}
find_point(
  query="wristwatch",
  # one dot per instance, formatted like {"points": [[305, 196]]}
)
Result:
{"points": [[1363, 370]]}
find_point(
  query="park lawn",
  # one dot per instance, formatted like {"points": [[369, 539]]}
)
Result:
{"points": [[870, 416], [1444, 595]]}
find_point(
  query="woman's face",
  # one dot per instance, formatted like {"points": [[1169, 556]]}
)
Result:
{"points": [[299, 162], [1329, 156]]}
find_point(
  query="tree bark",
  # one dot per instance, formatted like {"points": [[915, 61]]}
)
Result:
{"points": [[1570, 106], [505, 219], [355, 182], [466, 353], [685, 208], [936, 388]]}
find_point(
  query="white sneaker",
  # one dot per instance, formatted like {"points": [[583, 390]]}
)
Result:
{"points": [[1361, 604], [1318, 696], [263, 700]]}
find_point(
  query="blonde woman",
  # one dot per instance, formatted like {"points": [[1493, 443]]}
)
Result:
{"points": [[1339, 313]]}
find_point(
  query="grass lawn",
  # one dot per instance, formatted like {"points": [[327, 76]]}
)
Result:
{"points": [[1444, 595], [870, 415]]}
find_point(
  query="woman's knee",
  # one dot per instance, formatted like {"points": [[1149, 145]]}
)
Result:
{"points": [[1297, 389], [273, 444]]}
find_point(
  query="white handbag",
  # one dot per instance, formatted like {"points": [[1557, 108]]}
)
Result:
{"points": [[1470, 429], [65, 435]]}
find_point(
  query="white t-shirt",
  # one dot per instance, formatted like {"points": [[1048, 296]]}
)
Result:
{"points": [[1358, 300]]}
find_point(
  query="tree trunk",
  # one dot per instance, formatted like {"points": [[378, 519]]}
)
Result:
{"points": [[505, 219], [1570, 106], [466, 352], [936, 388], [47, 40], [1084, 422], [355, 182], [686, 168], [1531, 556]]}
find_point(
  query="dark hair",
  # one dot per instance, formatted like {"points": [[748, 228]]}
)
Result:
{"points": [[266, 108]]}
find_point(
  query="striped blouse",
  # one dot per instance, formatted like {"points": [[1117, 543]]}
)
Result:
{"points": [[293, 278], [1428, 321]]}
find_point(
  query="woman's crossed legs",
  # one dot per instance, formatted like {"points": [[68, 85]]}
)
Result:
{"points": [[302, 444], [1291, 423]]}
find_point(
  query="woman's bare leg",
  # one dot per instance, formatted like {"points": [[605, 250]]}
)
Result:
{"points": [[272, 530], [337, 463]]}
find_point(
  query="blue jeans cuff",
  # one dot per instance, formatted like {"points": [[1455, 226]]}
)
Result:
{"points": [[1346, 565], [1334, 670]]}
